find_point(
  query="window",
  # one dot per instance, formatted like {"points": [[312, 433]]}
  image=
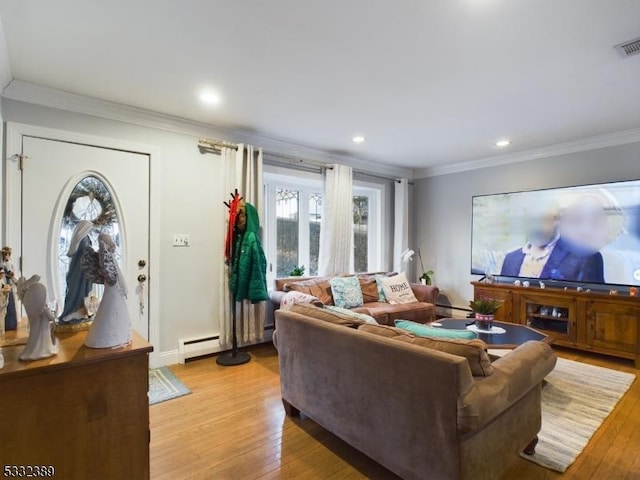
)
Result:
{"points": [[294, 221], [89, 200]]}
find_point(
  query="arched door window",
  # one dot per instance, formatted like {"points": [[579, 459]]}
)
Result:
{"points": [[89, 200]]}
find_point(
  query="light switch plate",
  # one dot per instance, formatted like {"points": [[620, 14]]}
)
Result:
{"points": [[181, 240]]}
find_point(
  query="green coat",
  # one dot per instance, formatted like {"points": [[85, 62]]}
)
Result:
{"points": [[248, 279]]}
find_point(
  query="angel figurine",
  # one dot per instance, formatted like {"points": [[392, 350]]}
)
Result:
{"points": [[41, 342], [111, 325]]}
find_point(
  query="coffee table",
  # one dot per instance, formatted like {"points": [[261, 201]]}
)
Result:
{"points": [[514, 335]]}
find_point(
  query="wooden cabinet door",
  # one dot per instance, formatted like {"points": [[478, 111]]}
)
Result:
{"points": [[553, 314], [505, 312], [613, 326]]}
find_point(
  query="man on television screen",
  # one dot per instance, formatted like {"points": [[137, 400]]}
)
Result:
{"points": [[548, 254]]}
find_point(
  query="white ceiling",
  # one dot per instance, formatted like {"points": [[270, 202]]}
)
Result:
{"points": [[428, 82]]}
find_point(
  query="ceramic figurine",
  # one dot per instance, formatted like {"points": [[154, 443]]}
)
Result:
{"points": [[579, 289], [111, 325], [7, 278], [78, 284], [542, 285], [633, 291], [526, 284], [41, 343], [517, 283]]}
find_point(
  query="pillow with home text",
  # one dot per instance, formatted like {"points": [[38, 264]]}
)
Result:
{"points": [[397, 290]]}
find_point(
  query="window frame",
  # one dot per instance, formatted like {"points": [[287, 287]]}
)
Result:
{"points": [[307, 183]]}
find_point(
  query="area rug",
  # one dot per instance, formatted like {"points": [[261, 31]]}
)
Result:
{"points": [[575, 401], [163, 386]]}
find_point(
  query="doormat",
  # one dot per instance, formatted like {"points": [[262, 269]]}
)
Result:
{"points": [[163, 386]]}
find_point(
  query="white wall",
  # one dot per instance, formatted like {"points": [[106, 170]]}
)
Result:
{"points": [[191, 203], [442, 204]]}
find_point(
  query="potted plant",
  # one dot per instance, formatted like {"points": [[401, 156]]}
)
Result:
{"points": [[427, 276], [484, 310], [297, 271], [426, 279]]}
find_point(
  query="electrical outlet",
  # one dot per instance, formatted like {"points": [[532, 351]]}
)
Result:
{"points": [[181, 240]]}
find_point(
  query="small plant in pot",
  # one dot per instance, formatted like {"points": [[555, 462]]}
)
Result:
{"points": [[426, 278], [297, 271], [484, 310]]}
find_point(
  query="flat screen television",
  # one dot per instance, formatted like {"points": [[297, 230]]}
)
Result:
{"points": [[586, 234]]}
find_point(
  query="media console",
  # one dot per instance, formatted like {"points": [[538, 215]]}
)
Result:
{"points": [[595, 322]]}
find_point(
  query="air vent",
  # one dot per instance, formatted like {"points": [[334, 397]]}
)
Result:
{"points": [[626, 49]]}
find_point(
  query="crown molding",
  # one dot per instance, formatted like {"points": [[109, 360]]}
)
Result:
{"points": [[48, 97], [582, 145]]}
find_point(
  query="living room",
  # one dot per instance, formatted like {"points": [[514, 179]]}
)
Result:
{"points": [[369, 87]]}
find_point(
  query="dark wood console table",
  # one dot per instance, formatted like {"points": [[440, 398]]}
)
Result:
{"points": [[83, 413], [589, 321]]}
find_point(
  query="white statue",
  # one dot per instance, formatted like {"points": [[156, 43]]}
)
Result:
{"points": [[111, 325], [41, 343]]}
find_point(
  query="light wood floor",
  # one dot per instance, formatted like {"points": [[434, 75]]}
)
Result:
{"points": [[233, 427]]}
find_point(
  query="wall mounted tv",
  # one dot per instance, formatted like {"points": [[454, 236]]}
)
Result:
{"points": [[586, 234]]}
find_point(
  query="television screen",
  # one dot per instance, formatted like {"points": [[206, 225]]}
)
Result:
{"points": [[586, 234]]}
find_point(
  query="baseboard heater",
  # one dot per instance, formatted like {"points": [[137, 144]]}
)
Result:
{"points": [[197, 347]]}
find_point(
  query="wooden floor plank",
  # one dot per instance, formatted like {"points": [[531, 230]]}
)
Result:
{"points": [[233, 426]]}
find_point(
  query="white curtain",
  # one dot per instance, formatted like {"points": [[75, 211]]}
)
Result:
{"points": [[401, 223], [336, 231], [243, 171]]}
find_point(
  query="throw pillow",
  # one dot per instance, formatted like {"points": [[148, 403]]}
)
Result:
{"points": [[318, 287], [423, 330], [326, 315], [397, 290], [369, 288], [475, 351], [381, 297], [362, 316], [346, 292], [385, 331], [291, 298]]}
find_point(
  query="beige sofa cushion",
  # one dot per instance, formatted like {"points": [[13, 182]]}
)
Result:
{"points": [[386, 313], [385, 331], [475, 351], [327, 315]]}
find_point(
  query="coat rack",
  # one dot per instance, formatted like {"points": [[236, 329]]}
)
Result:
{"points": [[235, 357]]}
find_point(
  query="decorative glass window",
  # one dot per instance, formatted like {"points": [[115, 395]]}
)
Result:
{"points": [[89, 200], [361, 233], [287, 206]]}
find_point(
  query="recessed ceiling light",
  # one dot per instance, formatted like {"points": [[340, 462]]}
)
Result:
{"points": [[210, 98], [358, 139], [503, 143]]}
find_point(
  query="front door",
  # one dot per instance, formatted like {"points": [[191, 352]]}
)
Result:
{"points": [[65, 182]]}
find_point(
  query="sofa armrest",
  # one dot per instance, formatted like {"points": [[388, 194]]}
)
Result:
{"points": [[276, 297], [425, 293], [515, 375]]}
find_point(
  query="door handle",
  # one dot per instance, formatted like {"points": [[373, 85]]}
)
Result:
{"points": [[142, 278]]}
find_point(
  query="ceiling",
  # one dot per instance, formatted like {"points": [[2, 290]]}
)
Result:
{"points": [[427, 82]]}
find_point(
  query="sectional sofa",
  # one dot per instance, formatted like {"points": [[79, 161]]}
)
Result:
{"points": [[423, 413]]}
